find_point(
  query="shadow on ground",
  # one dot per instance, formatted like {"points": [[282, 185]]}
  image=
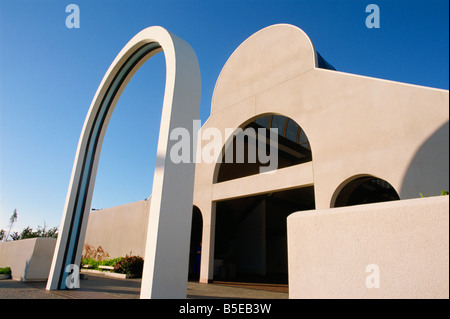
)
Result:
{"points": [[102, 287]]}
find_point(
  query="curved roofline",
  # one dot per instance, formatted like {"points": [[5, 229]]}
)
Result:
{"points": [[316, 59]]}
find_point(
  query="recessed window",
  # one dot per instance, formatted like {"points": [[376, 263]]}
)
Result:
{"points": [[366, 190], [293, 148]]}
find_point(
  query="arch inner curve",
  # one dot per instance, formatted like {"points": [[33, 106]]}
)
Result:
{"points": [[180, 107], [100, 122]]}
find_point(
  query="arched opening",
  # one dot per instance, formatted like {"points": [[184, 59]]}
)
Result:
{"points": [[128, 156], [365, 190], [293, 147], [164, 244], [251, 235], [195, 244], [250, 231]]}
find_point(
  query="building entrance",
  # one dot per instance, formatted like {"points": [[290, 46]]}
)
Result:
{"points": [[251, 235]]}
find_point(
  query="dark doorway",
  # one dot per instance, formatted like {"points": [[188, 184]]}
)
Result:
{"points": [[195, 246], [251, 235]]}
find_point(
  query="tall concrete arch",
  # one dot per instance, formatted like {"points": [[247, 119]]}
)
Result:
{"points": [[166, 253]]}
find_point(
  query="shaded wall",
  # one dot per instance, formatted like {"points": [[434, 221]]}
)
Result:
{"points": [[428, 172], [119, 231], [29, 259]]}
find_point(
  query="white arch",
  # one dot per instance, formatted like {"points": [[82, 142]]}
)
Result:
{"points": [[166, 255]]}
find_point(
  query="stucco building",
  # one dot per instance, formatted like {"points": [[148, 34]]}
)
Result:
{"points": [[343, 140]]}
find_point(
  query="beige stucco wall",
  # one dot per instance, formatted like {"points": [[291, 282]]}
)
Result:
{"points": [[119, 230], [356, 125], [408, 240], [29, 259]]}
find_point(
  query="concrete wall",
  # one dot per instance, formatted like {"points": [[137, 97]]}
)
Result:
{"points": [[356, 125], [120, 230], [330, 250], [29, 259]]}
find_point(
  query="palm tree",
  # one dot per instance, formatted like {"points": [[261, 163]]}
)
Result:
{"points": [[12, 220]]}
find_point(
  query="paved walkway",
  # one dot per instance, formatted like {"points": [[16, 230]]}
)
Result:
{"points": [[100, 287]]}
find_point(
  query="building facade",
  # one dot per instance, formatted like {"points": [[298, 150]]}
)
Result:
{"points": [[343, 140]]}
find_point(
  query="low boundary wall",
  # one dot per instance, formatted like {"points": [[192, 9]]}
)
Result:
{"points": [[396, 249], [118, 231], [29, 259]]}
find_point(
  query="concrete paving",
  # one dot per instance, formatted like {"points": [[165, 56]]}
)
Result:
{"points": [[101, 287]]}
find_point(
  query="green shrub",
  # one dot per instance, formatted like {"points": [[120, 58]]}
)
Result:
{"points": [[130, 265], [5, 271], [95, 263], [40, 232], [443, 193]]}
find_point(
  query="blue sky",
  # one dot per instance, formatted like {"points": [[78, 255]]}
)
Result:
{"points": [[49, 74]]}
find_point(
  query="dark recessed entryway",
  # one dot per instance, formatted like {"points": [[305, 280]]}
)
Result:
{"points": [[251, 235], [195, 245]]}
